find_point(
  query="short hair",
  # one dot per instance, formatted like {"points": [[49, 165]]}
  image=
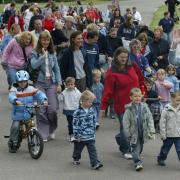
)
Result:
{"points": [[159, 28], [166, 13], [70, 80], [134, 91], [96, 72], [92, 27], [171, 67], [92, 34], [143, 36], [149, 81], [112, 30], [86, 96], [175, 94], [133, 42], [160, 71]]}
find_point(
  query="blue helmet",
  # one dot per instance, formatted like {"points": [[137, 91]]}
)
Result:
{"points": [[22, 76]]}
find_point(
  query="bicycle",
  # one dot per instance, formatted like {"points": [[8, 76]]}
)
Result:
{"points": [[29, 131]]}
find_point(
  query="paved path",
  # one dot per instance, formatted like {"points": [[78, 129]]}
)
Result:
{"points": [[55, 163]]}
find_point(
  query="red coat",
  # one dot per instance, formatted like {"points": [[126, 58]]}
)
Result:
{"points": [[48, 24], [118, 86], [11, 21]]}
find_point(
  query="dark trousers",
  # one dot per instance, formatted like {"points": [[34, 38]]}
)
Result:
{"points": [[90, 144], [167, 144], [14, 132], [70, 124]]}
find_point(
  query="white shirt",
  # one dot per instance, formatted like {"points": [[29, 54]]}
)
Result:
{"points": [[137, 16], [71, 98]]}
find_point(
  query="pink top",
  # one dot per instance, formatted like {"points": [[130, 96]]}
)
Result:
{"points": [[164, 90], [13, 54]]}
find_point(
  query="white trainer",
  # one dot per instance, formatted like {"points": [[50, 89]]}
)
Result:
{"points": [[128, 156]]}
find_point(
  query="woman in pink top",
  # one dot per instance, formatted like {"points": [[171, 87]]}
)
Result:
{"points": [[13, 55], [163, 86]]}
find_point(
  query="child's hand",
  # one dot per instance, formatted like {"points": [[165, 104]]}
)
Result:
{"points": [[45, 103], [19, 103]]}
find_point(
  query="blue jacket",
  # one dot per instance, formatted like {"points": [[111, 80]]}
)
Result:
{"points": [[167, 24], [174, 80], [38, 62], [7, 38], [97, 89], [27, 96], [84, 124]]}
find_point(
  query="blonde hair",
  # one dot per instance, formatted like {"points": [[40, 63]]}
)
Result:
{"points": [[86, 96], [160, 71], [96, 72], [92, 27], [159, 28], [135, 91], [24, 35], [69, 80], [175, 94]]}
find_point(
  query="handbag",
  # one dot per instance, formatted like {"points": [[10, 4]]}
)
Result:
{"points": [[33, 73]]}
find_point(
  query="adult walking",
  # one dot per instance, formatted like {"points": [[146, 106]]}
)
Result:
{"points": [[73, 62], [49, 81], [13, 55], [120, 79]]}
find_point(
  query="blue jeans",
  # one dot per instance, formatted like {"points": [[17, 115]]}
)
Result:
{"points": [[123, 143], [11, 75], [167, 144], [14, 132], [136, 151], [78, 148], [97, 110]]}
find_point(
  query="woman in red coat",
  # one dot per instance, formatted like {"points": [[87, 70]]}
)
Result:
{"points": [[120, 79], [16, 19]]}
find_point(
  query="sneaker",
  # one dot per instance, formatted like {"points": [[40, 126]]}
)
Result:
{"points": [[97, 166], [161, 163], [13, 149], [52, 136], [113, 117], [139, 167], [45, 140], [76, 162], [97, 126], [128, 156]]}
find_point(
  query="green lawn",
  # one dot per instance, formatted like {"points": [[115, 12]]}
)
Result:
{"points": [[159, 14]]}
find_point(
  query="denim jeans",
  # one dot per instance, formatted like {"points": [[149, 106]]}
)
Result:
{"points": [[124, 144], [11, 75], [14, 132], [136, 150], [167, 144], [90, 144], [97, 110]]}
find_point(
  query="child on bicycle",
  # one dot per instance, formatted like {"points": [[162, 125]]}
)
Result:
{"points": [[21, 95], [84, 129]]}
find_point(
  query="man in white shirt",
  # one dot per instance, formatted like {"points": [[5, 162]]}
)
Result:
{"points": [[136, 16]]}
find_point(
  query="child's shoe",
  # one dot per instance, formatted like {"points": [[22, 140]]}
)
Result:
{"points": [[76, 162], [13, 149], [139, 167], [97, 126], [161, 163], [97, 166]]}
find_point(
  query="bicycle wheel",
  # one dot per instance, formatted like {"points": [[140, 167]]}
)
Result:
{"points": [[35, 144]]}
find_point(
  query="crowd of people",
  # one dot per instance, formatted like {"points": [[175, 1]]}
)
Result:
{"points": [[92, 63]]}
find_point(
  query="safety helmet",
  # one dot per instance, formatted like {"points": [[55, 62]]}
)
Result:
{"points": [[22, 76]]}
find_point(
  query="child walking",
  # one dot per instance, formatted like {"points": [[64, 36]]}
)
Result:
{"points": [[20, 96], [84, 129], [171, 77], [97, 89], [153, 102], [170, 128], [138, 125], [163, 86], [71, 96]]}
